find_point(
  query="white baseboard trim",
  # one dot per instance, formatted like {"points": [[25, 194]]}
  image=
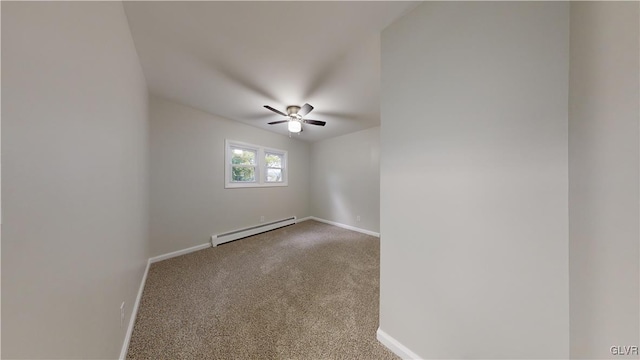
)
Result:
{"points": [[395, 346], [179, 252], [134, 313], [304, 219], [344, 226]]}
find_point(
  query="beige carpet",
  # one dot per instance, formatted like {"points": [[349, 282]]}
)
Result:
{"points": [[306, 291]]}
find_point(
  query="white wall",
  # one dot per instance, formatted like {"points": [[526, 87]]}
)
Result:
{"points": [[474, 183], [188, 200], [345, 179], [74, 190], [603, 177]]}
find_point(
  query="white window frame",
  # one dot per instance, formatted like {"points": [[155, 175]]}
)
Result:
{"points": [[261, 166]]}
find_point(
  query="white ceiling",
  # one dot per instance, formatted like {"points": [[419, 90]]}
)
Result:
{"points": [[231, 58]]}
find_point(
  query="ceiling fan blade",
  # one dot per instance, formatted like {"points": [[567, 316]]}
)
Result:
{"points": [[315, 122], [305, 109], [278, 122], [275, 111]]}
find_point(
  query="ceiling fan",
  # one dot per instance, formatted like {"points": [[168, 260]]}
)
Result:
{"points": [[295, 116]]}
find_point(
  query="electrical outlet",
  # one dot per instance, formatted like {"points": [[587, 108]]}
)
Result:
{"points": [[262, 218], [122, 315], [358, 218]]}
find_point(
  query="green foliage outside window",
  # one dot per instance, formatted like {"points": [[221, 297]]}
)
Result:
{"points": [[245, 170], [274, 161], [243, 174]]}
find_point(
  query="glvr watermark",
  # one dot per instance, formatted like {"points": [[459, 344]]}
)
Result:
{"points": [[624, 350]]}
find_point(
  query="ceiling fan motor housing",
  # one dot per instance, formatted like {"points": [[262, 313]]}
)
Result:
{"points": [[293, 110]]}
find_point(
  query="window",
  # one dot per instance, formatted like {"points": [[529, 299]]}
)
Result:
{"points": [[273, 162], [248, 165], [243, 164]]}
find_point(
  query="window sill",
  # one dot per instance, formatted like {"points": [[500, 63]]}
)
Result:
{"points": [[254, 185]]}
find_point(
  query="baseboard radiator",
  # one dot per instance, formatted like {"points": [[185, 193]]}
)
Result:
{"points": [[250, 231]]}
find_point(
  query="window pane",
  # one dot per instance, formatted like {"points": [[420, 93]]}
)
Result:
{"points": [[274, 175], [243, 174], [243, 156], [274, 160]]}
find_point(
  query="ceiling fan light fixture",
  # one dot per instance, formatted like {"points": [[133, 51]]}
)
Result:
{"points": [[294, 126]]}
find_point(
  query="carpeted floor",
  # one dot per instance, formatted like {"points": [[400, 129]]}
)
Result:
{"points": [[306, 291]]}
